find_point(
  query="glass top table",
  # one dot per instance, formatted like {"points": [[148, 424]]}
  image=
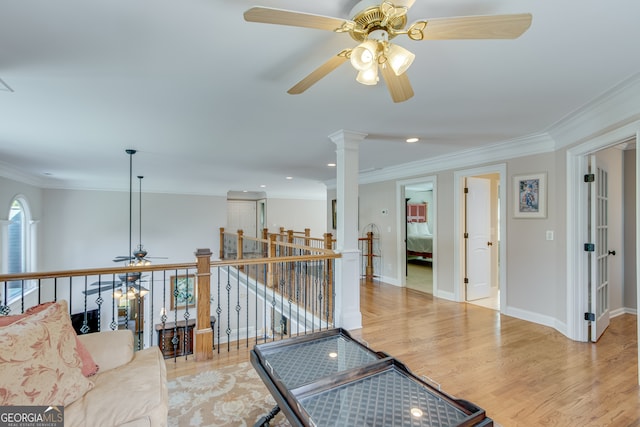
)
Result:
{"points": [[329, 379]]}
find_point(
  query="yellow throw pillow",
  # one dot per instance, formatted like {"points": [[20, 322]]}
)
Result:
{"points": [[39, 361]]}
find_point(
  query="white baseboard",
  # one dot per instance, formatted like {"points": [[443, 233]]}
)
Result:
{"points": [[450, 296], [390, 281], [538, 318], [624, 310]]}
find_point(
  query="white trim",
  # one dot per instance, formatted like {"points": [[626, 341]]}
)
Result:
{"points": [[502, 151], [458, 248], [577, 327], [391, 281], [447, 295], [538, 318], [624, 310]]}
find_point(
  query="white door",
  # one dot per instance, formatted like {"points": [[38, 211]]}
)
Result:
{"points": [[599, 258], [241, 215], [478, 238]]}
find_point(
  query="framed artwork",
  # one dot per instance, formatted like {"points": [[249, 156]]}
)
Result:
{"points": [[334, 214], [530, 196], [185, 287]]}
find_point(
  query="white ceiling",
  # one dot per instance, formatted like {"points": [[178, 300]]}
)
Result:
{"points": [[201, 94]]}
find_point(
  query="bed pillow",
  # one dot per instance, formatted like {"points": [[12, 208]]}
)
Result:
{"points": [[423, 229], [39, 362], [412, 228], [89, 366]]}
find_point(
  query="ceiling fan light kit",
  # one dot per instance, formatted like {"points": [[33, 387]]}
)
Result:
{"points": [[373, 24]]}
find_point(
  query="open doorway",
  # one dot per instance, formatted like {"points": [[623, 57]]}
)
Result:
{"points": [[479, 223], [417, 236], [615, 259], [419, 242]]}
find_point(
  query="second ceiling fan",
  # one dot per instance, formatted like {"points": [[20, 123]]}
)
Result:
{"points": [[374, 24]]}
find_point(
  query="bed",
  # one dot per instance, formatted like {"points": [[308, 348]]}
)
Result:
{"points": [[419, 240]]}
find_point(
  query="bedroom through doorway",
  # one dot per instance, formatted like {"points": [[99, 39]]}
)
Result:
{"points": [[419, 226]]}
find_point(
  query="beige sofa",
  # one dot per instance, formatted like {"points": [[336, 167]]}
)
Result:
{"points": [[130, 389]]}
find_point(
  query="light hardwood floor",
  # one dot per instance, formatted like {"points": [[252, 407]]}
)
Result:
{"points": [[521, 373]]}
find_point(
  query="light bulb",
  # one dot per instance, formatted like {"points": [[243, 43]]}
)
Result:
{"points": [[364, 55], [368, 76], [400, 59]]}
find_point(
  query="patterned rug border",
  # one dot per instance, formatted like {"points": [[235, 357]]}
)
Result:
{"points": [[229, 396]]}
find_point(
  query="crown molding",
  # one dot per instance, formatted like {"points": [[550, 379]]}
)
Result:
{"points": [[614, 108], [519, 147], [10, 172]]}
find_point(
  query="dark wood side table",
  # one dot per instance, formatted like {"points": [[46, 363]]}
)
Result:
{"points": [[184, 346], [166, 334]]}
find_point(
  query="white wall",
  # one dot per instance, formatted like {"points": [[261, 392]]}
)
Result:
{"points": [[87, 229], [297, 215]]}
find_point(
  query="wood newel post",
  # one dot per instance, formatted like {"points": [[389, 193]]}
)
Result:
{"points": [[240, 244], [221, 242], [281, 230], [203, 338], [369, 270], [328, 239], [307, 234], [265, 246], [328, 244], [271, 253]]}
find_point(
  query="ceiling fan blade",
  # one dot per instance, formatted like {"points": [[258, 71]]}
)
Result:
{"points": [[471, 27], [106, 283], [333, 63], [399, 86], [270, 15], [101, 290]]}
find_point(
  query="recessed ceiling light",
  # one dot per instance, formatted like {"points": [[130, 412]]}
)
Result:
{"points": [[289, 177], [263, 186], [331, 165], [412, 140]]}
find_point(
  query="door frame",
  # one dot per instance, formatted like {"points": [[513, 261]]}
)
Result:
{"points": [[401, 234], [577, 294], [458, 227]]}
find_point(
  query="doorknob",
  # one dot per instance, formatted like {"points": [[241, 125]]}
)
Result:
{"points": [[491, 244], [612, 252]]}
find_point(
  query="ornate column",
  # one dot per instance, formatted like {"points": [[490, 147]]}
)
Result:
{"points": [[347, 279]]}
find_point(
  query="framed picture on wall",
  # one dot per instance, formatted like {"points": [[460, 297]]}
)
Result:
{"points": [[183, 291], [334, 214], [530, 196]]}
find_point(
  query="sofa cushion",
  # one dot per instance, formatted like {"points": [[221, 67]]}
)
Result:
{"points": [[39, 362], [133, 394], [109, 349], [89, 367]]}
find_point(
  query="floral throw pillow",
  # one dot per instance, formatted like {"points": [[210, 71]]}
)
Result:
{"points": [[89, 366], [39, 362]]}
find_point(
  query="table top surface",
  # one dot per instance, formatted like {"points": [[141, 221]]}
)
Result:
{"points": [[309, 361], [334, 380]]}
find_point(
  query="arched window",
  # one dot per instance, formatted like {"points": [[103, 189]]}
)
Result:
{"points": [[17, 239], [18, 248]]}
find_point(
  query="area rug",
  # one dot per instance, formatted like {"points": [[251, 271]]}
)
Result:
{"points": [[229, 396]]}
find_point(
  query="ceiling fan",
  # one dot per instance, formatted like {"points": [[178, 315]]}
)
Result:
{"points": [[139, 256], [117, 286], [374, 24]]}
